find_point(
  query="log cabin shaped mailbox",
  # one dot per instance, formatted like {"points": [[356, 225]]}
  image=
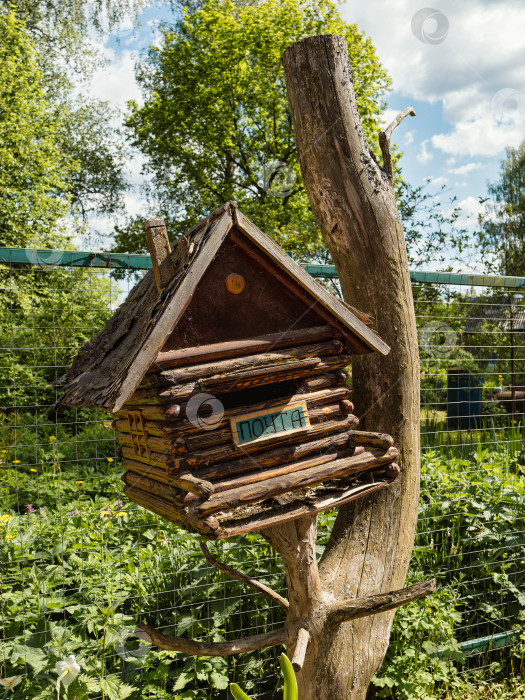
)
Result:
{"points": [[224, 369]]}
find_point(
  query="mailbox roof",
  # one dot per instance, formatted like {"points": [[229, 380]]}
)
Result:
{"points": [[108, 368]]}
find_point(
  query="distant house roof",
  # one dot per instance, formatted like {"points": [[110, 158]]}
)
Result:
{"points": [[108, 368], [504, 312]]}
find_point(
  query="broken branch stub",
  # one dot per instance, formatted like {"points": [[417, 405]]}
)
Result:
{"points": [[160, 252], [385, 136]]}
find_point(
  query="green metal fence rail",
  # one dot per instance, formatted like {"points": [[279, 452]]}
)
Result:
{"points": [[73, 258], [136, 261]]}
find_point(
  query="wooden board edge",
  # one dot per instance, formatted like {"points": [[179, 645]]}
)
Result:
{"points": [[301, 510], [173, 311]]}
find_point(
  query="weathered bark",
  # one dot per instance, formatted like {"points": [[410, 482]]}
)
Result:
{"points": [[354, 204], [292, 481]]}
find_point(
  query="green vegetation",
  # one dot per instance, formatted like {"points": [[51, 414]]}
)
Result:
{"points": [[44, 317], [502, 233], [61, 158], [81, 565], [471, 519], [34, 170], [215, 124], [290, 683]]}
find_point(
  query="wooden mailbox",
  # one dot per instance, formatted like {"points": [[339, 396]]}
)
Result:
{"points": [[225, 372]]}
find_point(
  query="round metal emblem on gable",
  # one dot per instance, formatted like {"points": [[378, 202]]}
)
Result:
{"points": [[235, 283]]}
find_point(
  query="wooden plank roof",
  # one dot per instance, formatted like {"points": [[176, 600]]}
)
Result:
{"points": [[108, 368]]}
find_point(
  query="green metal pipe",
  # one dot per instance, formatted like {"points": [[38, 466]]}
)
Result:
{"points": [[484, 644], [135, 261], [73, 258]]}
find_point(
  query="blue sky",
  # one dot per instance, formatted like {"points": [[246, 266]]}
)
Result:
{"points": [[460, 64]]}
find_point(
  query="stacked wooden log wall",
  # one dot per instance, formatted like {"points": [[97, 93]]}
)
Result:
{"points": [[198, 478]]}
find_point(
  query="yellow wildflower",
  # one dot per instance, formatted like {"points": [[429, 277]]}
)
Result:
{"points": [[80, 482], [32, 470], [52, 437], [3, 450], [110, 459], [16, 461], [5, 518], [121, 513], [10, 536]]}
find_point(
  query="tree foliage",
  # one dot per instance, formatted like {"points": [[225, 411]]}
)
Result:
{"points": [[502, 231], [64, 30], [64, 52], [432, 225], [88, 136], [34, 169], [215, 123], [40, 181]]}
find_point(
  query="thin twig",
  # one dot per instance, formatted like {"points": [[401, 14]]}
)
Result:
{"points": [[261, 587]]}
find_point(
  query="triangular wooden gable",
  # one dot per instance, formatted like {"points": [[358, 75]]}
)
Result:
{"points": [[195, 309]]}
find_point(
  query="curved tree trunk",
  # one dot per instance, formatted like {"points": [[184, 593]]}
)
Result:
{"points": [[354, 204], [339, 614]]}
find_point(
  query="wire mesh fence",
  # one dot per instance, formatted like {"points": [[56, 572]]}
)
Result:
{"points": [[80, 565]]}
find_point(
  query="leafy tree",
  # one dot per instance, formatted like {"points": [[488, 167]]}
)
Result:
{"points": [[34, 169], [215, 124], [64, 35], [44, 313], [502, 231], [97, 183], [63, 31]]}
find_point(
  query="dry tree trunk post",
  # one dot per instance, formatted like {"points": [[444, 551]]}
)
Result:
{"points": [[354, 205], [339, 613]]}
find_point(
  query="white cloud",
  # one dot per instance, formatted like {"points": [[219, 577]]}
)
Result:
{"points": [[478, 137], [424, 155], [470, 209], [115, 82], [388, 116], [438, 181], [467, 168], [473, 62]]}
